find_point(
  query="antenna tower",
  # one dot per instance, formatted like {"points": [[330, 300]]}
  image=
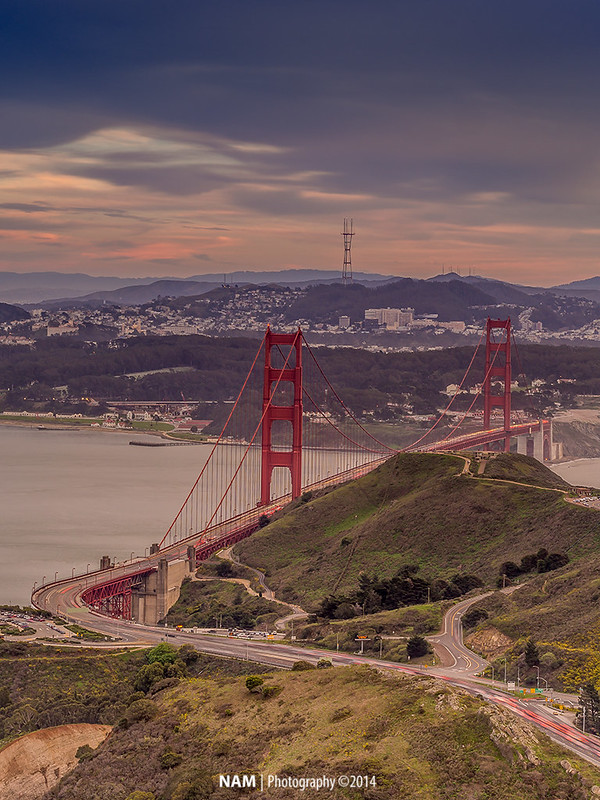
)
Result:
{"points": [[348, 233]]}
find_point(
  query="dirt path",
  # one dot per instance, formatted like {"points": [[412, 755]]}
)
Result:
{"points": [[33, 764], [268, 594]]}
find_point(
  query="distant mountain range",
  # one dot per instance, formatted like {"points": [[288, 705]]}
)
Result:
{"points": [[36, 287], [56, 289]]}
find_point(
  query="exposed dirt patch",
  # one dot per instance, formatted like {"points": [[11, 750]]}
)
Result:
{"points": [[36, 762], [489, 641]]}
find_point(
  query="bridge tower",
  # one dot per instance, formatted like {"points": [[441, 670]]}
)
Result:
{"points": [[497, 365], [292, 459]]}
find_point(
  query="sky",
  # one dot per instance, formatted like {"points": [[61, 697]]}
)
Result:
{"points": [[147, 138]]}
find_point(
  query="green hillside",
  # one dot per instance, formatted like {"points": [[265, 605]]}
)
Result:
{"points": [[413, 737], [521, 469], [418, 509]]}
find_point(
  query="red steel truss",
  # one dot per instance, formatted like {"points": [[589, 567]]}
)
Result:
{"points": [[113, 598]]}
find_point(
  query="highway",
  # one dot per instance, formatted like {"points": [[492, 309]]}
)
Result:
{"points": [[461, 670]]}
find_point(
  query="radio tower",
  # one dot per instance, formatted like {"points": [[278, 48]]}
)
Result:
{"points": [[348, 233]]}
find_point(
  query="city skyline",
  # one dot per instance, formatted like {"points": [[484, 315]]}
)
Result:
{"points": [[151, 140]]}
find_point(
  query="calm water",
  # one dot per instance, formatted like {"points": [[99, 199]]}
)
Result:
{"points": [[583, 472], [68, 497]]}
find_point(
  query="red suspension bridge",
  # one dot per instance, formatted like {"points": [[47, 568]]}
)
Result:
{"points": [[290, 432]]}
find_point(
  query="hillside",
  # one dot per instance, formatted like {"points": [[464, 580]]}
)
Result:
{"points": [[9, 313], [413, 737], [452, 300], [416, 509], [560, 612]]}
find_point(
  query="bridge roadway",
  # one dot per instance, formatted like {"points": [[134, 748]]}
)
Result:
{"points": [[479, 438]]}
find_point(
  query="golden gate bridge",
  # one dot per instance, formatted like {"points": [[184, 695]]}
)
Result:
{"points": [[289, 432]]}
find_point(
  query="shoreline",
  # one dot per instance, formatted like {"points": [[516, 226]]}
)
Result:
{"points": [[75, 426]]}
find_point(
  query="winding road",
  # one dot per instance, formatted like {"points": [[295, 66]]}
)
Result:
{"points": [[460, 671]]}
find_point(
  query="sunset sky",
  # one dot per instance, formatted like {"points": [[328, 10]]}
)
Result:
{"points": [[179, 138]]}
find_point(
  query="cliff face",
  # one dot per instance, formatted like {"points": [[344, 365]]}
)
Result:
{"points": [[580, 439], [33, 764]]}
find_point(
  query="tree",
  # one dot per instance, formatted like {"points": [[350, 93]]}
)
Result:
{"points": [[417, 646], [510, 569], [532, 654], [590, 705]]}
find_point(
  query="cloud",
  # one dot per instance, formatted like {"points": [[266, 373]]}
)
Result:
{"points": [[428, 122], [27, 208]]}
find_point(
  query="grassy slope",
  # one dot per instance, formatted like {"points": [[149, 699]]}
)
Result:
{"points": [[514, 467], [415, 508], [205, 603], [418, 737]]}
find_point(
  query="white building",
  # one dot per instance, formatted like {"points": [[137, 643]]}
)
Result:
{"points": [[392, 318]]}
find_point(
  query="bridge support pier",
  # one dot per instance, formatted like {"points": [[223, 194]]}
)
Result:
{"points": [[152, 599], [540, 444]]}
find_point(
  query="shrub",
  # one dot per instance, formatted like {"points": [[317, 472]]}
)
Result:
{"points": [[253, 682], [148, 675], [467, 582], [139, 795], [84, 753], [548, 659], [271, 691], [510, 569], [344, 611], [163, 654], [166, 683], [299, 666], [471, 618], [142, 710], [4, 698], [324, 663], [170, 759], [224, 569]]}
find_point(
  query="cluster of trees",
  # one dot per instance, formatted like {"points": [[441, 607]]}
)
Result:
{"points": [[542, 561], [404, 588], [216, 368]]}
